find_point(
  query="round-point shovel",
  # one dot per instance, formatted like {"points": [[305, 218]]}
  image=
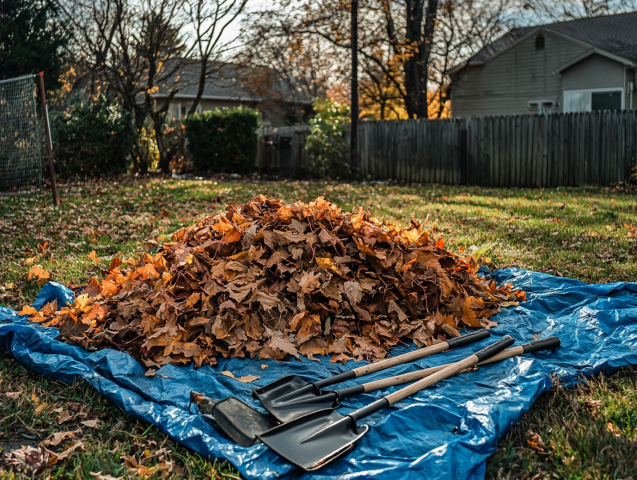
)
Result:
{"points": [[286, 411], [316, 439], [276, 395], [237, 419]]}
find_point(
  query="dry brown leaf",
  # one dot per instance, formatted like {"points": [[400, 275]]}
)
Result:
{"points": [[243, 379]]}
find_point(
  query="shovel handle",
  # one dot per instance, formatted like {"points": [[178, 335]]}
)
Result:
{"points": [[457, 342], [536, 346], [446, 372]]}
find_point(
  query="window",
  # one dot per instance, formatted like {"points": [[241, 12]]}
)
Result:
{"points": [[174, 110], [606, 101], [577, 102], [593, 100], [539, 42]]}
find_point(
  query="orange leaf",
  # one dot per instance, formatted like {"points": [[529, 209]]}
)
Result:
{"points": [[28, 310], [37, 271]]}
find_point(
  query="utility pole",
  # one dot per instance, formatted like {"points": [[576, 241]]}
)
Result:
{"points": [[354, 108]]}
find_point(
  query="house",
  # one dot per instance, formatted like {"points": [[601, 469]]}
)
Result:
{"points": [[231, 85], [577, 66]]}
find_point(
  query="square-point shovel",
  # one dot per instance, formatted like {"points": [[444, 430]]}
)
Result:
{"points": [[277, 396], [318, 438], [237, 419]]}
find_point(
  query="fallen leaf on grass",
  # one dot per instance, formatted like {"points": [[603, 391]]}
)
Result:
{"points": [[39, 272], [34, 459], [56, 438], [56, 457], [143, 471], [95, 423], [594, 405], [64, 416], [535, 441], [243, 379], [613, 429], [99, 476]]}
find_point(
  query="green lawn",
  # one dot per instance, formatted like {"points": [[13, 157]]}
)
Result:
{"points": [[589, 432]]}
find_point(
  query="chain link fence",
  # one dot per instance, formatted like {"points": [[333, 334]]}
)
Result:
{"points": [[20, 137]]}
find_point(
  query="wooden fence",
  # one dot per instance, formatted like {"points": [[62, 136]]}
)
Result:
{"points": [[570, 149], [280, 151]]}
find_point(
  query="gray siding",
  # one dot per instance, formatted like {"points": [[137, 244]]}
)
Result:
{"points": [[505, 84], [594, 72]]}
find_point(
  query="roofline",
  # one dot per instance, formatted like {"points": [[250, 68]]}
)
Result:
{"points": [[593, 51], [542, 28], [218, 97]]}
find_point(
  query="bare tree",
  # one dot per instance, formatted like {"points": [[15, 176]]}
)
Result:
{"points": [[544, 11], [404, 47], [303, 64], [138, 48], [464, 27]]}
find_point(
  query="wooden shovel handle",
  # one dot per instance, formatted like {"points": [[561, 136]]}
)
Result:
{"points": [[422, 352], [451, 370], [543, 344]]}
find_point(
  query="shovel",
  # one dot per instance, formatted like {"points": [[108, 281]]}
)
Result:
{"points": [[293, 388], [316, 439], [242, 423], [236, 418], [286, 411]]}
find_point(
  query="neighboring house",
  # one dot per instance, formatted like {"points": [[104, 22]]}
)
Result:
{"points": [[578, 66], [230, 85]]}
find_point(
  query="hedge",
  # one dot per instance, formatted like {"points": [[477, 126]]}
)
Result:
{"points": [[223, 141], [95, 138]]}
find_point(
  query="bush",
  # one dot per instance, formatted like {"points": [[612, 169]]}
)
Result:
{"points": [[223, 141], [95, 138], [327, 144]]}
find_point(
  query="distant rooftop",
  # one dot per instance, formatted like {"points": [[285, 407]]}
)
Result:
{"points": [[228, 81], [615, 34]]}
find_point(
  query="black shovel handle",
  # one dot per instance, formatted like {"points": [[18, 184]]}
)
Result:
{"points": [[457, 342], [446, 372]]}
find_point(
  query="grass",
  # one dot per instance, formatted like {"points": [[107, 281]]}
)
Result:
{"points": [[588, 432]]}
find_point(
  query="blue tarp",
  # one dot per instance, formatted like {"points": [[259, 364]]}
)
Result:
{"points": [[446, 431]]}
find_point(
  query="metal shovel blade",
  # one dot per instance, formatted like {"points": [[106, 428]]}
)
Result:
{"points": [[286, 388], [314, 440], [297, 403], [238, 420]]}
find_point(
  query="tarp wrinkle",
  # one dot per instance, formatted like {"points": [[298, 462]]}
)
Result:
{"points": [[446, 431]]}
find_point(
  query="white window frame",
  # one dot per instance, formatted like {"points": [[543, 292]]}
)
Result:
{"points": [[178, 105], [590, 91]]}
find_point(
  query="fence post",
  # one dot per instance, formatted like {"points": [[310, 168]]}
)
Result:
{"points": [[49, 143]]}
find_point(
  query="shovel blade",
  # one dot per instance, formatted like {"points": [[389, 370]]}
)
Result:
{"points": [[240, 421], [281, 388], [314, 440]]}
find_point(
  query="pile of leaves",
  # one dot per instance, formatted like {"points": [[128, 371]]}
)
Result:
{"points": [[275, 281]]}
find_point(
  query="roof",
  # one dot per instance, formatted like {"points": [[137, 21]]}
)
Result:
{"points": [[613, 34], [227, 81]]}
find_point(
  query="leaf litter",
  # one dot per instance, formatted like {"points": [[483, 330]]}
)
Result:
{"points": [[277, 281]]}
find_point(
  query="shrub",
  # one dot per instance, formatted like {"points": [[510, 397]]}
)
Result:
{"points": [[95, 138], [328, 142], [223, 141]]}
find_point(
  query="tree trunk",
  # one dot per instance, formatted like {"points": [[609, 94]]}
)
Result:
{"points": [[419, 40]]}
